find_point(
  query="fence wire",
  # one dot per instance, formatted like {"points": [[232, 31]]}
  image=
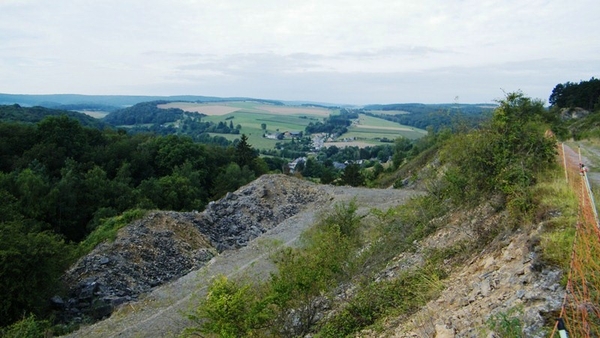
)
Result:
{"points": [[581, 306]]}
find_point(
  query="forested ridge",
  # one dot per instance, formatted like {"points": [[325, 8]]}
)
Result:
{"points": [[148, 117], [435, 116], [16, 113]]}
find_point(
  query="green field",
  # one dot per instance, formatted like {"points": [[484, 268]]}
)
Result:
{"points": [[388, 112], [251, 125], [372, 128], [251, 115]]}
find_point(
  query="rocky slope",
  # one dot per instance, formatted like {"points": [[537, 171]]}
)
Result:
{"points": [[506, 278], [240, 231], [235, 236], [166, 245]]}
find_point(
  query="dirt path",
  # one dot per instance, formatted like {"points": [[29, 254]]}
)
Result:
{"points": [[162, 312]]}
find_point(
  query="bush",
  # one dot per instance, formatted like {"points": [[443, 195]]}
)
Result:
{"points": [[28, 327], [501, 158], [507, 324], [230, 310], [290, 300], [400, 296]]}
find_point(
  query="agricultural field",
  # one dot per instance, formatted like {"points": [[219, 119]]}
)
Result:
{"points": [[368, 127], [251, 115], [388, 112], [94, 113]]}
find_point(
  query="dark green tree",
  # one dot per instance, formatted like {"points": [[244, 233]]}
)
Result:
{"points": [[352, 175], [31, 263], [231, 178], [244, 153]]}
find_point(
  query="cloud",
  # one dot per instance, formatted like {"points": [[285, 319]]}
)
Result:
{"points": [[345, 50]]}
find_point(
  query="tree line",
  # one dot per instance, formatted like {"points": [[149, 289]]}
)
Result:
{"points": [[585, 94]]}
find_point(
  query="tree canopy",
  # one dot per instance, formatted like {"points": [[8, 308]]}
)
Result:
{"points": [[585, 94]]}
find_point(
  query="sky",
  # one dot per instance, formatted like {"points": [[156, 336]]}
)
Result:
{"points": [[334, 51]]}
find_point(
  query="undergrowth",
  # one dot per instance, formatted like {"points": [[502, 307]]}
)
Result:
{"points": [[557, 209], [107, 231], [334, 253]]}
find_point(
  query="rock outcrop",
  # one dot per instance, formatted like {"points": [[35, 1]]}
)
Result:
{"points": [[165, 245]]}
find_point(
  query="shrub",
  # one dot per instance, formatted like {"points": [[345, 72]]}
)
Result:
{"points": [[507, 324], [230, 310], [28, 327], [399, 296]]}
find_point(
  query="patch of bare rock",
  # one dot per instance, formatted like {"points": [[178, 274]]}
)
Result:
{"points": [[166, 245], [507, 278]]}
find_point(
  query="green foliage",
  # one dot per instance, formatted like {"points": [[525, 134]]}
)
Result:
{"points": [[244, 154], [107, 231], [585, 94], [400, 296], [309, 272], [230, 310], [231, 178], [557, 247], [435, 116], [557, 198], [334, 124], [402, 146], [28, 327], [352, 175], [16, 113], [70, 176], [288, 302], [507, 324], [501, 158], [31, 263]]}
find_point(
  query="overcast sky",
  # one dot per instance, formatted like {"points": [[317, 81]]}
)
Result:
{"points": [[337, 51]]}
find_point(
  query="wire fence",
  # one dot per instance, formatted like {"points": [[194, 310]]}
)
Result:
{"points": [[580, 314]]}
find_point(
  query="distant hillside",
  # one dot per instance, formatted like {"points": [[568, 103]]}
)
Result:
{"points": [[106, 102], [16, 113], [144, 113], [147, 117], [435, 115]]}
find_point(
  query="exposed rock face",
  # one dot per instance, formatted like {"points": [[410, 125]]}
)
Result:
{"points": [[507, 277], [573, 113], [166, 245]]}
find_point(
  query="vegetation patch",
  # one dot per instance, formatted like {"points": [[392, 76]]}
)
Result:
{"points": [[108, 230]]}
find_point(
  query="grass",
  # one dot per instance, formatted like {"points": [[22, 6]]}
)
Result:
{"points": [[507, 324], [369, 127], [107, 231], [557, 207]]}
